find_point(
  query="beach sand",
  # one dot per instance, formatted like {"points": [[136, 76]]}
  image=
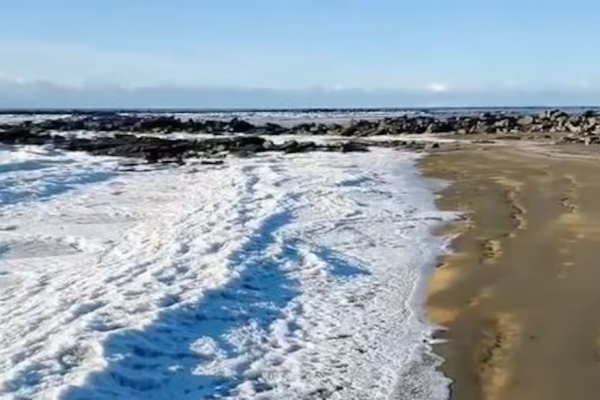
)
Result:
{"points": [[520, 295]]}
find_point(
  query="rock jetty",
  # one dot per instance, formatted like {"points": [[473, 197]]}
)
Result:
{"points": [[487, 122], [148, 136]]}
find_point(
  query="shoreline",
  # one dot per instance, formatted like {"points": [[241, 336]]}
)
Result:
{"points": [[518, 293]]}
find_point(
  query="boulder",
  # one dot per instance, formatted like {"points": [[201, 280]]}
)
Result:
{"points": [[239, 126], [526, 121], [353, 146]]}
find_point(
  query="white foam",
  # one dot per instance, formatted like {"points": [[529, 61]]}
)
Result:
{"points": [[271, 277], [14, 119], [291, 117]]}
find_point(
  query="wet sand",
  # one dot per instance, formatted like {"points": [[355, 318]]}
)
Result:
{"points": [[520, 295]]}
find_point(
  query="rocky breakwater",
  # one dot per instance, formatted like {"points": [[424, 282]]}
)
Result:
{"points": [[587, 122], [148, 136], [552, 121], [159, 149], [140, 123]]}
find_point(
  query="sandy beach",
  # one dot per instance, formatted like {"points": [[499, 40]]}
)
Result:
{"points": [[519, 295]]}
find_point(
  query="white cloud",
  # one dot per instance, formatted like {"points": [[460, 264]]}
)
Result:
{"points": [[438, 87]]}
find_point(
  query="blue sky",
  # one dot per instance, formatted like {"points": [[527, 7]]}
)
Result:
{"points": [[423, 46]]}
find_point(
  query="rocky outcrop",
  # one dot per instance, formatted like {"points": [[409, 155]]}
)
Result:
{"points": [[130, 135], [487, 123], [158, 149]]}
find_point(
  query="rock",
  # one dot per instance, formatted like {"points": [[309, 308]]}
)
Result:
{"points": [[273, 129], [289, 146], [293, 146], [268, 145], [353, 146], [239, 126], [526, 120], [554, 115], [571, 127], [212, 162], [432, 145]]}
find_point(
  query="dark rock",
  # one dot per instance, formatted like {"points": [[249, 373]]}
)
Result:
{"points": [[212, 162], [293, 146], [353, 146], [289, 146], [240, 126]]}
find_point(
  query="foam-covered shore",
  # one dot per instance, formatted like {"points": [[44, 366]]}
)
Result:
{"points": [[269, 277]]}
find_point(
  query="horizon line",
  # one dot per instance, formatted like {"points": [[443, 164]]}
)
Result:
{"points": [[199, 110]]}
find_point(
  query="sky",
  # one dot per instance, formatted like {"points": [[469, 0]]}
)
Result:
{"points": [[256, 53]]}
